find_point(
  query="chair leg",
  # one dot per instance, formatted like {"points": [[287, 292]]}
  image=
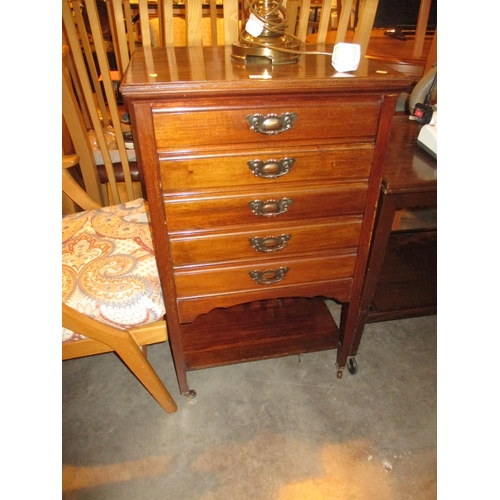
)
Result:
{"points": [[132, 356], [122, 342]]}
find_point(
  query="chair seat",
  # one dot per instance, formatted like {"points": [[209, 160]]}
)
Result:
{"points": [[109, 269]]}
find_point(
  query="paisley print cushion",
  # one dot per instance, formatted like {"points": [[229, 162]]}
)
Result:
{"points": [[108, 266]]}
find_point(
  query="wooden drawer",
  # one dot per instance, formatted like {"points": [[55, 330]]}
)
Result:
{"points": [[199, 282], [214, 210], [266, 167], [264, 241], [188, 128]]}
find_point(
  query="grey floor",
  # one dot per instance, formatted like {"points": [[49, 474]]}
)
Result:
{"points": [[284, 429]]}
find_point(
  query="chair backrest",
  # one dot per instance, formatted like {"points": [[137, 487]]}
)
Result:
{"points": [[191, 23], [302, 10], [77, 150], [90, 78], [343, 10], [102, 35], [363, 12]]}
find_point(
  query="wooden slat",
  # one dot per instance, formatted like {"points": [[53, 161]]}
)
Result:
{"points": [[166, 13], [213, 21], [324, 20], [364, 27], [113, 109], [145, 29], [303, 19], [76, 127], [131, 31], [292, 8], [73, 40], [432, 56], [90, 62], [423, 19], [343, 20], [194, 28], [77, 87], [231, 21], [121, 46]]}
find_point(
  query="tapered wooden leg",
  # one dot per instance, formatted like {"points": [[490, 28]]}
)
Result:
{"points": [[133, 357], [122, 342]]}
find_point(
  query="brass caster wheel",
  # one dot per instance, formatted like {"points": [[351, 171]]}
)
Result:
{"points": [[352, 366], [339, 373], [190, 394]]}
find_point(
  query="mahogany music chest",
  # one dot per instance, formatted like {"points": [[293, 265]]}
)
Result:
{"points": [[262, 183]]}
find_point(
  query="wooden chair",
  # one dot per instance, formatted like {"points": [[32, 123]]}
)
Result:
{"points": [[91, 73], [127, 307], [414, 57], [192, 23], [102, 40], [362, 31]]}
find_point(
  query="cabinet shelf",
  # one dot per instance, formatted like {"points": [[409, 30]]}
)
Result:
{"points": [[259, 330], [407, 285]]}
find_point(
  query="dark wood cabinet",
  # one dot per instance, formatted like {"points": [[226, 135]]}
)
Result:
{"points": [[262, 183], [401, 277]]}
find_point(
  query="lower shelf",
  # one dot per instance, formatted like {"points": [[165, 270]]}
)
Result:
{"points": [[407, 285], [259, 330]]}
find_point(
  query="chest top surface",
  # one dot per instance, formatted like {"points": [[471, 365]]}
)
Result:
{"points": [[262, 182], [185, 71]]}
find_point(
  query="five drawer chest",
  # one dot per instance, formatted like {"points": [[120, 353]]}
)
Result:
{"points": [[262, 183]]}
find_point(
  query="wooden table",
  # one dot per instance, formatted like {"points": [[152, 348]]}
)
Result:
{"points": [[401, 281]]}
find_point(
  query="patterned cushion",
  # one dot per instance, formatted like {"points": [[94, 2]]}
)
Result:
{"points": [[109, 269]]}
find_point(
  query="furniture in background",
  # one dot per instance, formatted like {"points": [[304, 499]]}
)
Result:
{"points": [[401, 279], [262, 183], [102, 36], [111, 292], [300, 23], [88, 66], [413, 55], [123, 183]]}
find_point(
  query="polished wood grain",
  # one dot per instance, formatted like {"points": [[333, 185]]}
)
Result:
{"points": [[259, 330], [214, 209], [217, 246], [188, 72], [399, 54], [230, 168], [190, 309], [235, 278], [407, 283], [104, 338], [401, 278], [188, 127], [189, 109], [407, 166]]}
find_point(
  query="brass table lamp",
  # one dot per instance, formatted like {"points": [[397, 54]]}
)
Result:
{"points": [[264, 39]]}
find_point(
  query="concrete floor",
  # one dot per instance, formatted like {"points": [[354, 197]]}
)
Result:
{"points": [[281, 429]]}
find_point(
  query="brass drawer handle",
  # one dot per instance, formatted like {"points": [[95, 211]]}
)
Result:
{"points": [[271, 169], [270, 243], [271, 124], [269, 276], [270, 208]]}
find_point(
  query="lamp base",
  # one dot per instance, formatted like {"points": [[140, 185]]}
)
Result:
{"points": [[266, 50]]}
